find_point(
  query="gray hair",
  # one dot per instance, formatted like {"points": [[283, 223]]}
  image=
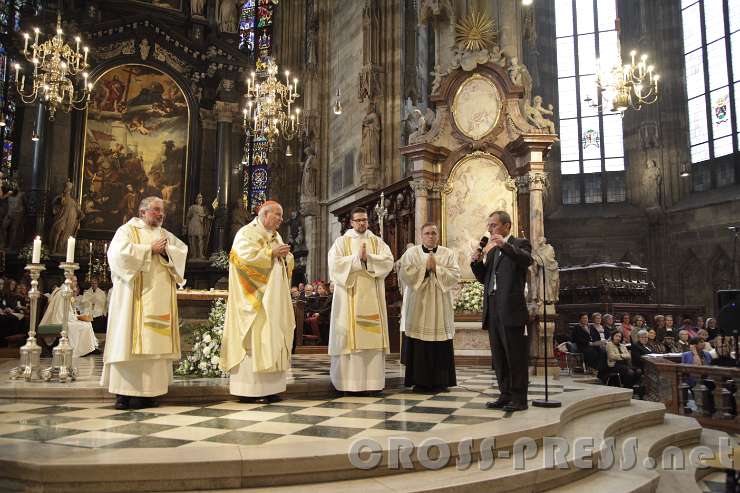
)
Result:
{"points": [[267, 207], [145, 204], [642, 332], [502, 216]]}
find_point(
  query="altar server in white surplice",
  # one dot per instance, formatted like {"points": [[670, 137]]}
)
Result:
{"points": [[260, 324], [143, 337], [79, 332], [359, 261], [429, 273]]}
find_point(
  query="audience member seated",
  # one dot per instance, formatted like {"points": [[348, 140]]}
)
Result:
{"points": [[294, 293], [688, 327], [609, 327], [96, 300], [12, 311], [589, 343], [618, 360], [596, 320], [659, 326], [724, 346], [653, 344], [639, 325], [683, 340], [704, 336], [670, 343], [711, 327], [669, 324], [80, 332], [696, 355], [640, 349], [626, 327], [698, 323]]}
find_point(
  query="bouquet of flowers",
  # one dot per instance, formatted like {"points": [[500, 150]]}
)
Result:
{"points": [[470, 297], [203, 360], [220, 260]]}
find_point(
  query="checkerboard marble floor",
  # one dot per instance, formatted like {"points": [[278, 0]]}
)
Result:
{"points": [[99, 425]]}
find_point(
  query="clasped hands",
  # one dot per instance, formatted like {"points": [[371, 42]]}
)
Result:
{"points": [[280, 251], [159, 246], [431, 263]]}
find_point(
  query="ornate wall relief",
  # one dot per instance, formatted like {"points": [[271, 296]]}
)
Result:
{"points": [[478, 185], [476, 107]]}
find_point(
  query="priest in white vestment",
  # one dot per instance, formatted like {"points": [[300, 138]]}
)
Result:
{"points": [[79, 332], [97, 301], [359, 262], [143, 336], [429, 273], [260, 324]]}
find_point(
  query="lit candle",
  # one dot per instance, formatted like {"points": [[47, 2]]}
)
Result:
{"points": [[17, 68], [105, 248], [36, 39], [85, 49], [36, 257], [77, 40], [295, 86], [25, 42], [70, 250], [287, 78]]}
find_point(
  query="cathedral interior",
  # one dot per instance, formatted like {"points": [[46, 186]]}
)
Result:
{"points": [[607, 129]]}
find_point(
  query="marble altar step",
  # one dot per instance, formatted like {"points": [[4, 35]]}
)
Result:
{"points": [[595, 411]]}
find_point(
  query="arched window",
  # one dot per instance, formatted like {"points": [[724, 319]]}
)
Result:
{"points": [[591, 143], [246, 27], [711, 43]]}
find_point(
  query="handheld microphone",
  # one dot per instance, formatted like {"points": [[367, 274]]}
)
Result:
{"points": [[483, 243], [733, 228]]}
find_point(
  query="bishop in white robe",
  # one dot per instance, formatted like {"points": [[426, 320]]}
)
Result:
{"points": [[359, 262], [260, 324], [97, 301], [429, 273], [79, 332], [143, 336]]}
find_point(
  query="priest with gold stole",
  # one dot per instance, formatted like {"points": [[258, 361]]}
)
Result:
{"points": [[143, 337], [260, 323], [359, 262], [429, 273]]}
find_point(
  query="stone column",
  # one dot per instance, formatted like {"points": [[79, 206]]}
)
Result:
{"points": [[421, 188], [425, 159], [225, 113]]}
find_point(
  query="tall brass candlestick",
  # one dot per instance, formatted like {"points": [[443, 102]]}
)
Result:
{"points": [[61, 361]]}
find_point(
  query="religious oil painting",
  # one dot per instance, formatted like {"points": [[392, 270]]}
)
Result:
{"points": [[165, 4], [478, 185], [476, 107], [136, 138]]}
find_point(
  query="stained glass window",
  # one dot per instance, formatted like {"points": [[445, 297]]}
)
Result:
{"points": [[9, 24], [265, 11], [591, 143], [246, 27], [711, 43]]}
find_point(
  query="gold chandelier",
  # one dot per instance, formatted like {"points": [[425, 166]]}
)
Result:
{"points": [[55, 64], [268, 110], [627, 86]]}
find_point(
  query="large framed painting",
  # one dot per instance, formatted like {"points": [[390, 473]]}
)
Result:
{"points": [[164, 4], [136, 145], [478, 185]]}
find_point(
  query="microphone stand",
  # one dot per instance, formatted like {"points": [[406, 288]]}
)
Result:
{"points": [[546, 402]]}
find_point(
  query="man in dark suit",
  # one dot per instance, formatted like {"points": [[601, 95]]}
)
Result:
{"points": [[503, 275]]}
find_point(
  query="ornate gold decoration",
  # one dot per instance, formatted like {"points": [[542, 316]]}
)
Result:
{"points": [[476, 31]]}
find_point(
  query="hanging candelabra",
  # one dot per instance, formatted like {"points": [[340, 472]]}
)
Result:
{"points": [[55, 65], [626, 86], [267, 113]]}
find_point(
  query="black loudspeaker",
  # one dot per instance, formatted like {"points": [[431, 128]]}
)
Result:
{"points": [[728, 319]]}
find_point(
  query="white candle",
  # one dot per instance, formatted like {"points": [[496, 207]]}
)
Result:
{"points": [[105, 248], [36, 257], [295, 86], [70, 250]]}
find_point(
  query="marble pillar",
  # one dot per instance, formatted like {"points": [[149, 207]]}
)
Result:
{"points": [[225, 114]]}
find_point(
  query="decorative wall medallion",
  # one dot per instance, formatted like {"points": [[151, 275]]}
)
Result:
{"points": [[476, 107]]}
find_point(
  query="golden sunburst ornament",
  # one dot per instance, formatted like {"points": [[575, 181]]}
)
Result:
{"points": [[476, 31]]}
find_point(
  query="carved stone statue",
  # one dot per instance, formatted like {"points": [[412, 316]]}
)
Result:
{"points": [[14, 221], [536, 114], [438, 74], [197, 7], [544, 255], [67, 217], [310, 170], [652, 181], [195, 224], [228, 16], [370, 150], [424, 120], [520, 76], [239, 216]]}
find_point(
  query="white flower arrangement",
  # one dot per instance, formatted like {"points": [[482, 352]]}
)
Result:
{"points": [[203, 360], [470, 297]]}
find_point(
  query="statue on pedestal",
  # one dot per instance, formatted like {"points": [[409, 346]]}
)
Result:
{"points": [[370, 150], [536, 115], [195, 225], [543, 255], [197, 7], [239, 216], [67, 217], [310, 170], [12, 225], [228, 16]]}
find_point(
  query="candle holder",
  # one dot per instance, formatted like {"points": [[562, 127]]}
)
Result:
{"points": [[61, 360], [30, 361]]}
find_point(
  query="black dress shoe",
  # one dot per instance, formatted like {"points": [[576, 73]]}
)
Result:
{"points": [[510, 408], [252, 400], [137, 402], [497, 404], [273, 398], [122, 402]]}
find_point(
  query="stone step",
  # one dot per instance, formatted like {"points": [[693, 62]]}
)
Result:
{"points": [[503, 476], [198, 468]]}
